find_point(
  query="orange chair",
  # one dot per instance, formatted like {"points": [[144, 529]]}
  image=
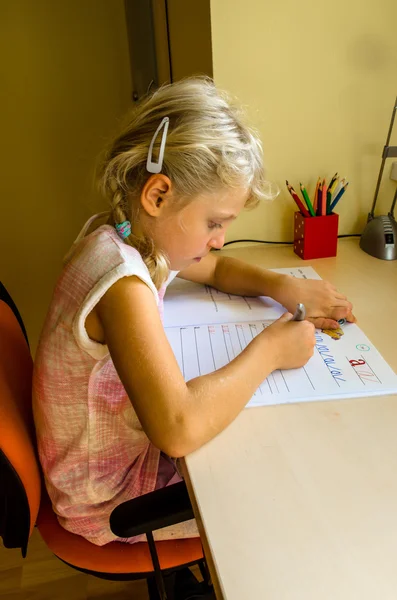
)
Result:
{"points": [[24, 502]]}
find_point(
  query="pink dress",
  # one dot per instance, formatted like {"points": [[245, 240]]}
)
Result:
{"points": [[93, 450]]}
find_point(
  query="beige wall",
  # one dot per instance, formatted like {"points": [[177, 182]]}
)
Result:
{"points": [[320, 79], [190, 37], [65, 74]]}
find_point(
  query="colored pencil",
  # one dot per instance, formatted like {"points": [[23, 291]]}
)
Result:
{"points": [[329, 196], [298, 201], [331, 183], [338, 197], [323, 199], [332, 188], [315, 197], [307, 200], [338, 188], [319, 196]]}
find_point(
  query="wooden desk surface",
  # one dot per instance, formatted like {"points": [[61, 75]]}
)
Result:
{"points": [[299, 502]]}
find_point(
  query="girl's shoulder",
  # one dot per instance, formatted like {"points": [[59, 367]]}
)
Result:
{"points": [[102, 244], [98, 260], [95, 263], [102, 251]]}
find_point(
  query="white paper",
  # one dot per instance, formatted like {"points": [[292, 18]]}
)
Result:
{"points": [[188, 303], [340, 368]]}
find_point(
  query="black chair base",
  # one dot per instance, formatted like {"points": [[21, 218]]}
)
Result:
{"points": [[181, 585]]}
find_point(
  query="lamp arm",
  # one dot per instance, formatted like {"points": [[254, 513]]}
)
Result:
{"points": [[382, 166], [391, 213]]}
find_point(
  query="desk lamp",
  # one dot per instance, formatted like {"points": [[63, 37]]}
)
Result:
{"points": [[379, 237]]}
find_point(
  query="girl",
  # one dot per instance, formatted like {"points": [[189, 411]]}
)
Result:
{"points": [[111, 405]]}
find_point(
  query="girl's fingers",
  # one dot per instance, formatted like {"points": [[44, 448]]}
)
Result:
{"points": [[342, 304], [328, 323], [339, 310], [342, 312], [324, 323], [351, 318]]}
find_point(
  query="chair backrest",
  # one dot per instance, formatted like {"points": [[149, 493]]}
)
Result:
{"points": [[20, 482], [5, 296]]}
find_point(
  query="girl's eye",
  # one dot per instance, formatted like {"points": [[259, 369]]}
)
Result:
{"points": [[212, 225]]}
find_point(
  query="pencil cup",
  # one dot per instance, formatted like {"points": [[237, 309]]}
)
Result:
{"points": [[315, 237]]}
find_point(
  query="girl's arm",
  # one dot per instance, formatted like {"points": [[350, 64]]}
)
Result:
{"points": [[179, 417], [324, 304], [235, 276]]}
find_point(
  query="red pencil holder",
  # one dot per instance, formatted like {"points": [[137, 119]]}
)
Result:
{"points": [[315, 237]]}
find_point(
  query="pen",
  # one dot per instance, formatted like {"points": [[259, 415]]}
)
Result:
{"points": [[298, 201], [300, 313], [307, 199], [338, 197]]}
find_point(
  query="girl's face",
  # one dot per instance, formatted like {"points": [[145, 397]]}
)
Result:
{"points": [[188, 234]]}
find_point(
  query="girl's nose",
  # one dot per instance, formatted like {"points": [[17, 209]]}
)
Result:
{"points": [[218, 241]]}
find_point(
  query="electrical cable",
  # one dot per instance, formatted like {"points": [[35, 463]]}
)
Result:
{"points": [[285, 243]]}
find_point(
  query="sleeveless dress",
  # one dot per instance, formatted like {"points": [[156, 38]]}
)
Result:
{"points": [[92, 448]]}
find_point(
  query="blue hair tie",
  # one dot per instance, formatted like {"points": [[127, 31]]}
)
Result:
{"points": [[123, 229]]}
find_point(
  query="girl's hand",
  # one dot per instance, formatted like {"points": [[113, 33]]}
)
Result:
{"points": [[291, 342], [324, 304]]}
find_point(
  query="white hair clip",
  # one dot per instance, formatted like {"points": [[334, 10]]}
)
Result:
{"points": [[155, 167]]}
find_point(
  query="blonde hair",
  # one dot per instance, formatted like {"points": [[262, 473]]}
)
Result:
{"points": [[208, 147]]}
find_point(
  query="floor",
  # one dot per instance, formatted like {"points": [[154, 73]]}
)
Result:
{"points": [[41, 576]]}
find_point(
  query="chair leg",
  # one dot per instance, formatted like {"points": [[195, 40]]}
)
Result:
{"points": [[188, 587], [152, 588], [181, 585], [169, 585], [204, 572], [162, 594]]}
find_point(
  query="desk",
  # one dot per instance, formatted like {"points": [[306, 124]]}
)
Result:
{"points": [[299, 502]]}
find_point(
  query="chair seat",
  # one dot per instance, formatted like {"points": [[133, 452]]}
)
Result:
{"points": [[116, 557]]}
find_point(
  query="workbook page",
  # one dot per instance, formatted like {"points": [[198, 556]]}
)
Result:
{"points": [[345, 363], [188, 303], [340, 368]]}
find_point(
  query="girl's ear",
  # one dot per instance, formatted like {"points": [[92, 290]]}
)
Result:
{"points": [[155, 194]]}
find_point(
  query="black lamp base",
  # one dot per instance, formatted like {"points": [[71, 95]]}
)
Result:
{"points": [[379, 237]]}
